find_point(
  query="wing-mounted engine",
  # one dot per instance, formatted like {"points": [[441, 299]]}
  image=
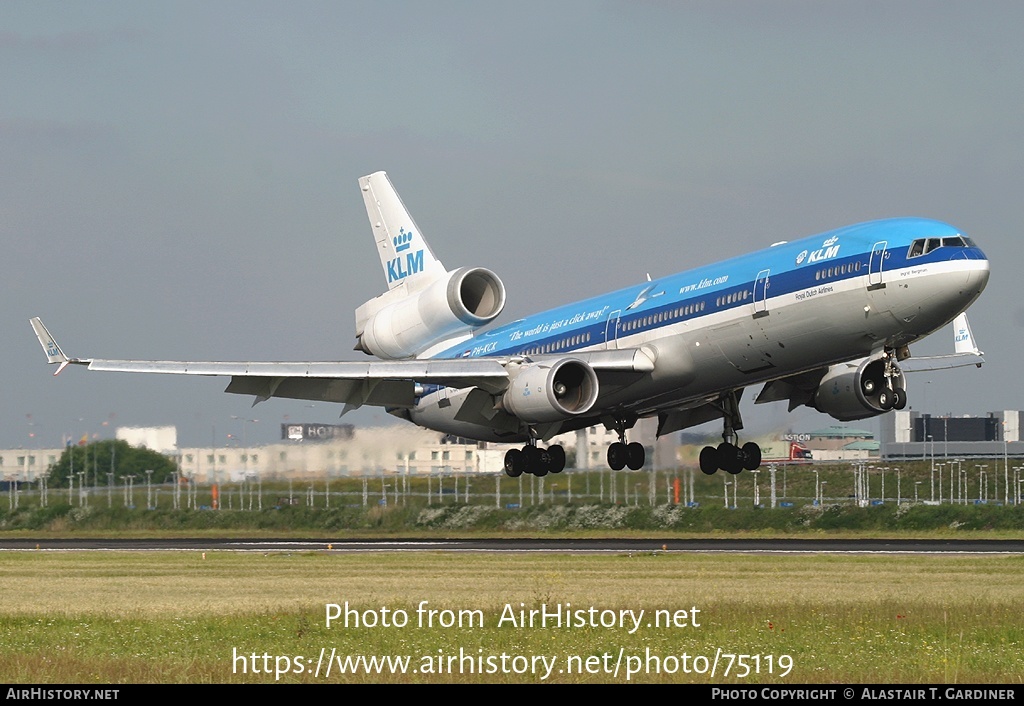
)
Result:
{"points": [[551, 391], [399, 324], [861, 388]]}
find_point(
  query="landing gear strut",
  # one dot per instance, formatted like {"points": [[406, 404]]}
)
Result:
{"points": [[621, 454], [891, 396], [727, 455], [535, 460]]}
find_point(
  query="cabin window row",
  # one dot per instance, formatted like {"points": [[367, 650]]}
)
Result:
{"points": [[838, 271], [677, 313], [733, 298], [570, 342]]}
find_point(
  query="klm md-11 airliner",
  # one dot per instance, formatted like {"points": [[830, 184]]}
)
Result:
{"points": [[826, 321]]}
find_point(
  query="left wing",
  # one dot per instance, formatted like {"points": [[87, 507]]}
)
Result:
{"points": [[391, 383]]}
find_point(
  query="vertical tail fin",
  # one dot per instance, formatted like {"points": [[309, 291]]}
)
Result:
{"points": [[404, 253]]}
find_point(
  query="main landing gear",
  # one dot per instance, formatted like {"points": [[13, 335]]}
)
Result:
{"points": [[625, 455], [727, 455], [535, 460]]}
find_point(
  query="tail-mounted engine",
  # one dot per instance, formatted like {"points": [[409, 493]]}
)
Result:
{"points": [[549, 392], [456, 304], [861, 388]]}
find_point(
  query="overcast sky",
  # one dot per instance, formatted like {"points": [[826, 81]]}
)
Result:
{"points": [[178, 179]]}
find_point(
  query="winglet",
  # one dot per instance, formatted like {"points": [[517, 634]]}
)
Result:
{"points": [[54, 354], [965, 353], [963, 341]]}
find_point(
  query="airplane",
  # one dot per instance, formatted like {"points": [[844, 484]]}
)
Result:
{"points": [[826, 321]]}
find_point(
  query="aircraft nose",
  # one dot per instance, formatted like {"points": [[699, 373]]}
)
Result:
{"points": [[979, 277]]}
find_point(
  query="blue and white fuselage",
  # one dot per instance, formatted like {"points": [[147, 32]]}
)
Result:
{"points": [[788, 309]]}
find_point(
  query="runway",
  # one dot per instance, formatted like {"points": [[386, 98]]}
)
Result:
{"points": [[531, 545]]}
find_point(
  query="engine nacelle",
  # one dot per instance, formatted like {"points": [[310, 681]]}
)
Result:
{"points": [[458, 303], [858, 390], [548, 392]]}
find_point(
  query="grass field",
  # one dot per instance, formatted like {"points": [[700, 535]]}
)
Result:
{"points": [[180, 617]]}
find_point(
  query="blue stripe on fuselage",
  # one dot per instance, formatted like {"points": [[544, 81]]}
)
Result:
{"points": [[792, 267]]}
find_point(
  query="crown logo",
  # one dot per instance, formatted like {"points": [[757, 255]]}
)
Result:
{"points": [[402, 241]]}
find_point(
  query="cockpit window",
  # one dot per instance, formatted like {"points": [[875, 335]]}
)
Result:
{"points": [[923, 246]]}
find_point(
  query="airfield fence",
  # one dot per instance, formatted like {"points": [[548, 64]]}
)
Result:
{"points": [[776, 486]]}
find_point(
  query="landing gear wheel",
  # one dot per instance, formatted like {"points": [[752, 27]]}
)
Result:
{"points": [[635, 456], [534, 462], [557, 454], [617, 455], [886, 400], [729, 458], [545, 463], [709, 460], [751, 456], [900, 398], [515, 464]]}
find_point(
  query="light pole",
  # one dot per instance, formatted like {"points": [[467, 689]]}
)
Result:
{"points": [[916, 484], [245, 446], [1006, 469], [817, 487], [932, 474]]}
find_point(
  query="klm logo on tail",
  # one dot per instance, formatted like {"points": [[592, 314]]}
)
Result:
{"points": [[403, 241], [413, 262], [51, 349]]}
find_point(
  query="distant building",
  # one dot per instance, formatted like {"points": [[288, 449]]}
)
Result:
{"points": [[840, 443], [163, 440], [27, 464], [907, 434]]}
